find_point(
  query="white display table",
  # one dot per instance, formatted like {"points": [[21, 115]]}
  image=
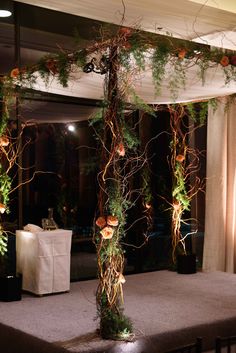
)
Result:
{"points": [[43, 259]]}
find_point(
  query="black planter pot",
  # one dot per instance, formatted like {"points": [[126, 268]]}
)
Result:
{"points": [[186, 264], [10, 288]]}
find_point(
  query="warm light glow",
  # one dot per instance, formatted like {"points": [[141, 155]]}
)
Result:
{"points": [[71, 128], [5, 13]]}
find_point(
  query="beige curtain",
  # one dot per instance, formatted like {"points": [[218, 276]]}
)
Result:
{"points": [[220, 221]]}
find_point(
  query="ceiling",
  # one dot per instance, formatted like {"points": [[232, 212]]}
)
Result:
{"points": [[191, 20]]}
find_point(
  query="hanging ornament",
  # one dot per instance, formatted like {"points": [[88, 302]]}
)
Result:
{"points": [[88, 67], [98, 66]]}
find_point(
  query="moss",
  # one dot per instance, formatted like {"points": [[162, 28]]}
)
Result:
{"points": [[115, 325]]}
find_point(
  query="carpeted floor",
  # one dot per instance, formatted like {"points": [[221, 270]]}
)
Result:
{"points": [[167, 310]]}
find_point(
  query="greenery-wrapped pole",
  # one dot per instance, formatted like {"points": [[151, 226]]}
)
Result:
{"points": [[7, 158], [184, 166], [111, 218], [180, 199]]}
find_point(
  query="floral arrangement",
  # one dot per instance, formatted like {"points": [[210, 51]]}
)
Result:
{"points": [[120, 58]]}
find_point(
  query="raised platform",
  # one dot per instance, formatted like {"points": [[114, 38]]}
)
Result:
{"points": [[167, 310]]}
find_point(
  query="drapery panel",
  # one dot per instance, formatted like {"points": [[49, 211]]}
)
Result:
{"points": [[220, 221]]}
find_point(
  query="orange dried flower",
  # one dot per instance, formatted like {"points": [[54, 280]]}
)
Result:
{"points": [[121, 150], [101, 222], [2, 208], [126, 45], [112, 221], [176, 205], [15, 72], [182, 53], [148, 206], [4, 141], [124, 31], [107, 232], [121, 278], [224, 61], [51, 65], [180, 158]]}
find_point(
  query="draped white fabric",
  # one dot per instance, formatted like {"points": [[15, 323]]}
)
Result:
{"points": [[92, 86], [220, 221]]}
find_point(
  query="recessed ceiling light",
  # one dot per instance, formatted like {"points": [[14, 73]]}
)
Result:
{"points": [[71, 127], [5, 13], [6, 8]]}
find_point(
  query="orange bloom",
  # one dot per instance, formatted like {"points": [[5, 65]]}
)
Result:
{"points": [[4, 141], [121, 150], [2, 208], [182, 53], [112, 221], [224, 61], [147, 205], [107, 232], [126, 45], [176, 205], [15, 73], [180, 158], [101, 222], [51, 65], [124, 31], [121, 278]]}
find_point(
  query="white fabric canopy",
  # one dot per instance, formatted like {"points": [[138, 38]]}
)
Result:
{"points": [[91, 86], [220, 221]]}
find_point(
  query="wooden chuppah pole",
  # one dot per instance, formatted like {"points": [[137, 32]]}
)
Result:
{"points": [[17, 110], [113, 324]]}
